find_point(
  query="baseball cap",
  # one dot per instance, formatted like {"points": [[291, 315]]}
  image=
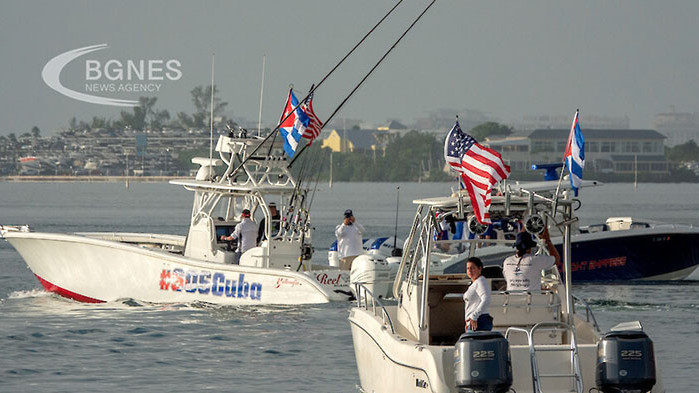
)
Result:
{"points": [[348, 213], [524, 241], [245, 213]]}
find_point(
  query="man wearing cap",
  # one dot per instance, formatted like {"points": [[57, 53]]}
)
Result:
{"points": [[349, 240], [522, 271], [276, 218], [245, 232]]}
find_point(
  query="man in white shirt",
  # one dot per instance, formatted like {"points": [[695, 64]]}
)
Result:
{"points": [[522, 271], [349, 240], [245, 232]]}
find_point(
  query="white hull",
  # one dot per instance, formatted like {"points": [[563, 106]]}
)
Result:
{"points": [[388, 362], [538, 344], [98, 270]]}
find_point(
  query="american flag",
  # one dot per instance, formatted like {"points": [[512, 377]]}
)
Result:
{"points": [[314, 125], [480, 168]]}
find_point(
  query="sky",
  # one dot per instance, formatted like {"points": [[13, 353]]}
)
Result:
{"points": [[508, 59]]}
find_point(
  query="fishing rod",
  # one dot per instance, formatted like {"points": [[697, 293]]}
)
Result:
{"points": [[276, 129], [299, 182], [317, 163], [365, 77], [304, 223]]}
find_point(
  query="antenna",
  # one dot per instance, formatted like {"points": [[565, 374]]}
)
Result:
{"points": [[395, 232], [211, 122], [262, 89]]}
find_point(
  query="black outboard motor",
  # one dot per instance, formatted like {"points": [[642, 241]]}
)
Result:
{"points": [[482, 363], [625, 362]]}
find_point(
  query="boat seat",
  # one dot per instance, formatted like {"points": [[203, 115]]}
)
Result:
{"points": [[524, 310], [520, 309]]}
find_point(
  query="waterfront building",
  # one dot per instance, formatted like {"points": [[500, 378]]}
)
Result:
{"points": [[606, 150], [354, 140], [678, 127], [535, 122]]}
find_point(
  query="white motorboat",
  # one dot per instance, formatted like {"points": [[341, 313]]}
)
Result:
{"points": [[539, 342], [621, 249], [102, 267]]}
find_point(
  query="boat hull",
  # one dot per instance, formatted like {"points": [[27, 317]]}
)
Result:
{"points": [[97, 270], [643, 254], [387, 363]]}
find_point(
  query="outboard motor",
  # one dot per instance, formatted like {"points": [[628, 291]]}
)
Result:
{"points": [[333, 255], [374, 272], [625, 362], [482, 363]]}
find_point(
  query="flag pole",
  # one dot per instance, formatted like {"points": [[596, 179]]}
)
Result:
{"points": [[211, 114], [565, 165], [262, 90]]}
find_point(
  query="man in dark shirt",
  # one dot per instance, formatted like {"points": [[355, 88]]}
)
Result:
{"points": [[276, 218]]}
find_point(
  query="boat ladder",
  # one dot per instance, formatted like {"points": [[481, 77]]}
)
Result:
{"points": [[574, 376]]}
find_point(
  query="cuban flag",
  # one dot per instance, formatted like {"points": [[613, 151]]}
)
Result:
{"points": [[574, 156], [292, 127]]}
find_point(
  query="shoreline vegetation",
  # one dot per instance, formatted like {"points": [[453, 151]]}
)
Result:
{"points": [[87, 179]]}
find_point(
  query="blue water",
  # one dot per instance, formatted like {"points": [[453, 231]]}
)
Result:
{"points": [[50, 344]]}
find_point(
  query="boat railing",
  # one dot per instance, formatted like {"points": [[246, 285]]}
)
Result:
{"points": [[589, 315], [365, 296]]}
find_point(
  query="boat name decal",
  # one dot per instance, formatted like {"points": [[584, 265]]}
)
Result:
{"points": [[204, 282], [598, 264], [324, 279], [286, 281]]}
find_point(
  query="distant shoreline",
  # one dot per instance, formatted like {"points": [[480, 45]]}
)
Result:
{"points": [[101, 179], [165, 179]]}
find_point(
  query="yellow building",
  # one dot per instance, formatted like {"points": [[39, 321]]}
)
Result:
{"points": [[355, 140]]}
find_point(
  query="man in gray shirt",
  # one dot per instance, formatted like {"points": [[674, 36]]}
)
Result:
{"points": [[522, 271]]}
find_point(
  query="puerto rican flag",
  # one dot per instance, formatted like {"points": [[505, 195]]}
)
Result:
{"points": [[480, 169], [574, 156], [294, 126]]}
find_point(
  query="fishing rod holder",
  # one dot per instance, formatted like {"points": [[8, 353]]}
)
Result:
{"points": [[569, 221]]}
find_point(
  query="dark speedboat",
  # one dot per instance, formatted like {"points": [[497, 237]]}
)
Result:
{"points": [[628, 249]]}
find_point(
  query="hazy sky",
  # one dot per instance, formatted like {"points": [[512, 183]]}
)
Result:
{"points": [[634, 58]]}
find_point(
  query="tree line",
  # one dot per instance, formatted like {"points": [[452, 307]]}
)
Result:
{"points": [[147, 116]]}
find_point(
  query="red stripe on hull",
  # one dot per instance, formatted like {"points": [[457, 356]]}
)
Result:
{"points": [[66, 293]]}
